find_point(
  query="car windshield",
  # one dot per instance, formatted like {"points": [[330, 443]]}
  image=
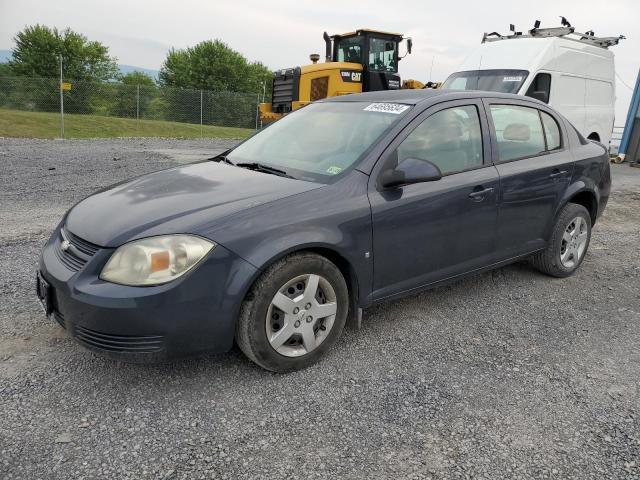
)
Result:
{"points": [[505, 81], [320, 141]]}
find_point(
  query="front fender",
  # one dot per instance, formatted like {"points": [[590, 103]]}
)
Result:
{"points": [[335, 218]]}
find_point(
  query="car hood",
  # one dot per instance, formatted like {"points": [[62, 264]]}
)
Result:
{"points": [[184, 199]]}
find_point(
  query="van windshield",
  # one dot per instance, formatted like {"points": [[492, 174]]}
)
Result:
{"points": [[504, 81], [321, 140]]}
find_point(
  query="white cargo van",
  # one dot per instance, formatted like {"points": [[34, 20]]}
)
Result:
{"points": [[573, 75]]}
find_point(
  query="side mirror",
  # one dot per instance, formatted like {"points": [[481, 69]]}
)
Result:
{"points": [[540, 95], [409, 171], [409, 45]]}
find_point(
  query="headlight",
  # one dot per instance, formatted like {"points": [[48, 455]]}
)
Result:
{"points": [[155, 260]]}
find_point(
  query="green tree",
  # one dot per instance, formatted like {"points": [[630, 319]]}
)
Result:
{"points": [[5, 70], [38, 47], [230, 82], [133, 95], [85, 64], [212, 65], [137, 78]]}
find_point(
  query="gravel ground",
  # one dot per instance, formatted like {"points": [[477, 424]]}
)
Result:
{"points": [[509, 374]]}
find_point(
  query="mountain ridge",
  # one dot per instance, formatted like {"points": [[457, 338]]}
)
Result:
{"points": [[5, 56]]}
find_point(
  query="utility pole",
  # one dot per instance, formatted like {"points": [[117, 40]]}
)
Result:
{"points": [[61, 101]]}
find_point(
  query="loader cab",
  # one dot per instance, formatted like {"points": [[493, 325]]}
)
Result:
{"points": [[377, 52]]}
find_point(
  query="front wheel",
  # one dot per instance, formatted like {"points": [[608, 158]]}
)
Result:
{"points": [[294, 313], [568, 244]]}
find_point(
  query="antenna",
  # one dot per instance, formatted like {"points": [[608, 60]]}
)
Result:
{"points": [[433, 59], [478, 75]]}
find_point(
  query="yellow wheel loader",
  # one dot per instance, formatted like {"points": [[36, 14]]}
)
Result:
{"points": [[355, 62]]}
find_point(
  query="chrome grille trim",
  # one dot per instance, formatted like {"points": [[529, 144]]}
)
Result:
{"points": [[78, 252]]}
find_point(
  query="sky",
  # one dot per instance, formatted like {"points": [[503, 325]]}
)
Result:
{"points": [[282, 33]]}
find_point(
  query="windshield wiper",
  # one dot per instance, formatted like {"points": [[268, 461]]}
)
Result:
{"points": [[261, 167], [222, 158]]}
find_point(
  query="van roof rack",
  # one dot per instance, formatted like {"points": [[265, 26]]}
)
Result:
{"points": [[566, 30]]}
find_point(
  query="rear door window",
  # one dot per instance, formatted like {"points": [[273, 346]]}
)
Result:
{"points": [[519, 131]]}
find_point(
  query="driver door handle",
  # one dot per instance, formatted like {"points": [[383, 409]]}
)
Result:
{"points": [[479, 195], [557, 173]]}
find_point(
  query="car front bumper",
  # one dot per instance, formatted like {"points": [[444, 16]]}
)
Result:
{"points": [[193, 314]]}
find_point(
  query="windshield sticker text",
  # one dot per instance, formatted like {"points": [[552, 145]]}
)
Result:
{"points": [[333, 170], [512, 79], [394, 108]]}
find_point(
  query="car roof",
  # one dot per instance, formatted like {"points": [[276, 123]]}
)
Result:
{"points": [[418, 96]]}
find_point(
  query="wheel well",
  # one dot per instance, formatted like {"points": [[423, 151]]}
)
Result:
{"points": [[343, 265], [594, 136], [588, 201]]}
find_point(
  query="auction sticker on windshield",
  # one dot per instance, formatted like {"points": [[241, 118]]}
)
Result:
{"points": [[394, 108], [512, 79]]}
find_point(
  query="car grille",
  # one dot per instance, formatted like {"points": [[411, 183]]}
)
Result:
{"points": [[118, 343], [78, 252]]}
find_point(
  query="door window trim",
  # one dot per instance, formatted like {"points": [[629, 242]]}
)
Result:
{"points": [[521, 103], [429, 111], [544, 132]]}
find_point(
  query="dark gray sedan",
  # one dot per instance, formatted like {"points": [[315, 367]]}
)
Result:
{"points": [[340, 205]]}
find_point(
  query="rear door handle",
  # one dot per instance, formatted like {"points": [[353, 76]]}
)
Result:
{"points": [[558, 173], [479, 195]]}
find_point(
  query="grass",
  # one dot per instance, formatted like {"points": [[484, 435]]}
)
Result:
{"points": [[15, 123]]}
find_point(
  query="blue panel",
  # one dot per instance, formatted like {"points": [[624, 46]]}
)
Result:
{"points": [[634, 112]]}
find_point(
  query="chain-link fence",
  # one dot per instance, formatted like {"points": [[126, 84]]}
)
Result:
{"points": [[142, 102]]}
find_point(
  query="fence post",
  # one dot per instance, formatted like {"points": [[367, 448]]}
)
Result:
{"points": [[138, 107], [257, 109], [200, 113], [61, 101], [264, 93]]}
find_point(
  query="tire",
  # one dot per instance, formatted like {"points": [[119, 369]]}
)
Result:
{"points": [[565, 253], [290, 283]]}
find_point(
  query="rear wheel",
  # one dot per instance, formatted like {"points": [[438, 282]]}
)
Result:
{"points": [[568, 244], [294, 313]]}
